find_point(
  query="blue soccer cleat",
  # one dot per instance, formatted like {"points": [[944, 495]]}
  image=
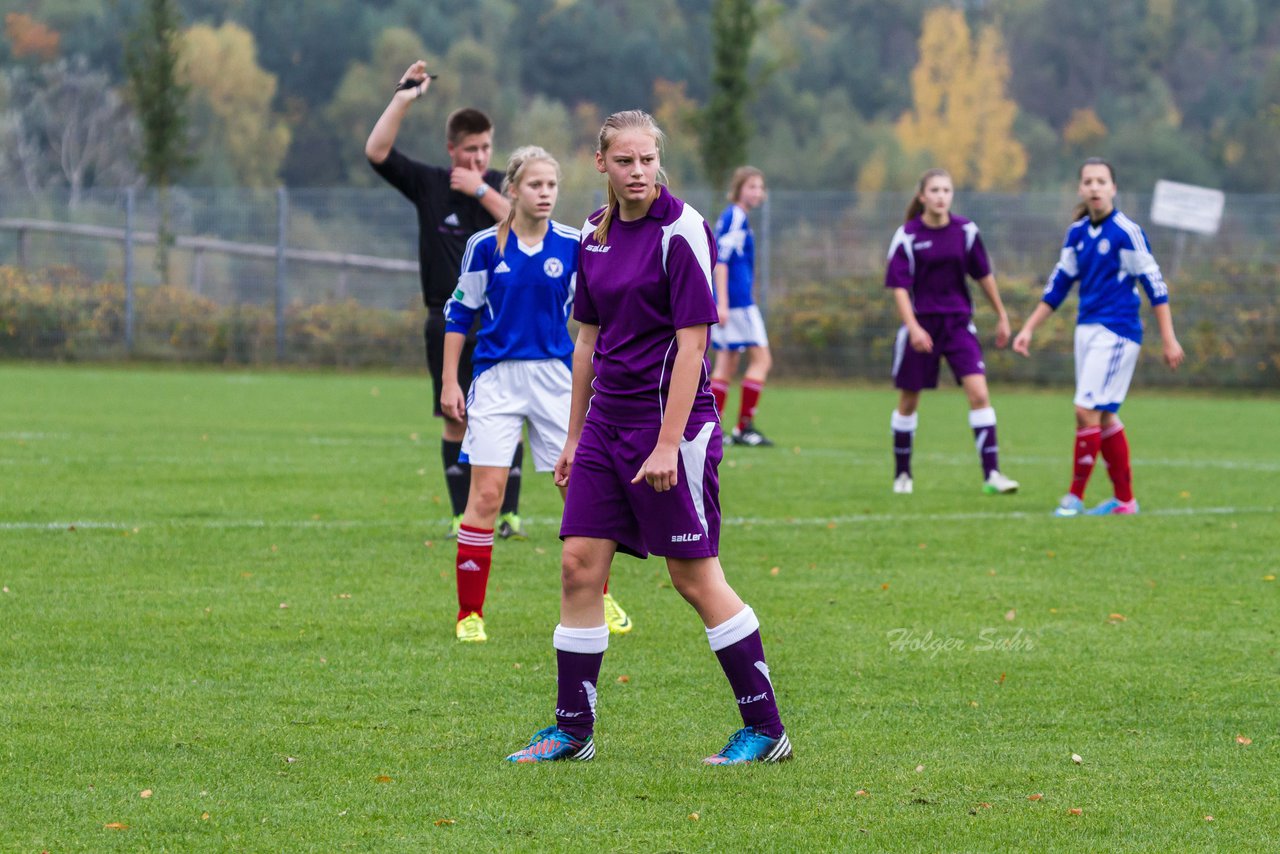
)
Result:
{"points": [[552, 744], [747, 745], [1114, 507], [1069, 506]]}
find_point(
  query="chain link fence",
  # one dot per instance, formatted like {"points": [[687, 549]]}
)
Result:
{"points": [[329, 277]]}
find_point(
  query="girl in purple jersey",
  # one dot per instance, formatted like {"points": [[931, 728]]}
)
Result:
{"points": [[929, 260], [644, 443]]}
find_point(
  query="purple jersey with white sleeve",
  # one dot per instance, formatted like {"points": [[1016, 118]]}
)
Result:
{"points": [[932, 264], [651, 278]]}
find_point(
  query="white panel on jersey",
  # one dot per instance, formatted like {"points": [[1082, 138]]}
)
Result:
{"points": [[901, 238], [970, 235], [471, 288], [690, 227]]}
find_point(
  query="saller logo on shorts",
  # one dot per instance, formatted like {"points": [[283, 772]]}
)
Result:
{"points": [[685, 538]]}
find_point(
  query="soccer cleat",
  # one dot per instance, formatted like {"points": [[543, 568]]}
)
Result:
{"points": [[750, 437], [747, 745], [998, 484], [902, 484], [1070, 505], [1114, 507], [552, 744], [510, 528], [455, 525], [471, 629], [617, 619]]}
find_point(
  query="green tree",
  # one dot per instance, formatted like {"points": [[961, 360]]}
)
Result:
{"points": [[724, 137], [159, 99]]}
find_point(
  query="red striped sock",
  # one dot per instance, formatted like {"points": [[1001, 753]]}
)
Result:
{"points": [[1115, 450], [750, 397], [1088, 446], [720, 390], [475, 554]]}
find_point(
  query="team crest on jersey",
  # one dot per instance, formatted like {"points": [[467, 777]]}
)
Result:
{"points": [[553, 267], [1104, 246]]}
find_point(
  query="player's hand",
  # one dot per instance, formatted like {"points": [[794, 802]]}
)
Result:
{"points": [[1022, 344], [465, 180], [452, 401], [921, 341], [661, 469], [723, 312], [417, 71], [564, 465], [1173, 354], [1002, 332]]}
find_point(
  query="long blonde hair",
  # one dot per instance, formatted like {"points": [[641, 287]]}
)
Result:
{"points": [[741, 175], [516, 165], [917, 207], [616, 124]]}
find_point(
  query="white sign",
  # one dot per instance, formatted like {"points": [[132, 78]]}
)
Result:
{"points": [[1188, 207]]}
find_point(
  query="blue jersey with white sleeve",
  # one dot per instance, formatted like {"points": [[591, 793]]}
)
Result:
{"points": [[1110, 260], [524, 295], [736, 248]]}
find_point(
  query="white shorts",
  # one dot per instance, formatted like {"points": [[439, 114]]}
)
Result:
{"points": [[744, 328], [1105, 363], [504, 397]]}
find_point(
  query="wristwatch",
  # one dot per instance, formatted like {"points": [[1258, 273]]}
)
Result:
{"points": [[481, 190]]}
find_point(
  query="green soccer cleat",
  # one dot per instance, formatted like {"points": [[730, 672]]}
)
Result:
{"points": [[616, 618], [510, 527], [470, 629]]}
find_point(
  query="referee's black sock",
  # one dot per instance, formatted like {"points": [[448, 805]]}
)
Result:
{"points": [[457, 476], [511, 498]]}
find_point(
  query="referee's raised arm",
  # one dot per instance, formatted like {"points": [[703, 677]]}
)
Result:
{"points": [[383, 136]]}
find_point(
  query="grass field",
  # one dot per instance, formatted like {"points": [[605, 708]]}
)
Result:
{"points": [[227, 617]]}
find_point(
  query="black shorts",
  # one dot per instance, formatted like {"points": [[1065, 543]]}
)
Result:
{"points": [[433, 331]]}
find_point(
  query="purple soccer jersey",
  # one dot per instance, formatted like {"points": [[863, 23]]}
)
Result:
{"points": [[932, 264], [651, 278]]}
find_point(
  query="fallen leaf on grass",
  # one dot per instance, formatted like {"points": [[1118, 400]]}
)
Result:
{"points": [[145, 793], [775, 570], [442, 822], [284, 605], [1011, 615], [1264, 578], [919, 768], [624, 679], [116, 825], [1000, 681], [382, 778], [984, 806], [1117, 618], [884, 586], [1036, 797], [1243, 739], [1077, 758], [693, 816], [1075, 811], [204, 816], [862, 793], [1208, 818]]}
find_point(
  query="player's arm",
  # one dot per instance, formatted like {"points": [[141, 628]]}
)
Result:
{"points": [[452, 401], [1022, 343], [921, 341], [584, 373], [721, 276], [661, 469], [992, 292], [1173, 354], [1055, 291], [383, 136]]}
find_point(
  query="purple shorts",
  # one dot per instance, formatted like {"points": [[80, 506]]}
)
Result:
{"points": [[954, 336], [604, 504]]}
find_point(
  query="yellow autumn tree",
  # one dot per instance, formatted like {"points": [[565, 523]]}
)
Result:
{"points": [[962, 115], [232, 119]]}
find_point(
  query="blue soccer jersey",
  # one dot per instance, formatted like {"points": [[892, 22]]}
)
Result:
{"points": [[1110, 260], [525, 295], [736, 248]]}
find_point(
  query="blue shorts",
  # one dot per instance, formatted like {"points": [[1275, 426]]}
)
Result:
{"points": [[603, 503]]}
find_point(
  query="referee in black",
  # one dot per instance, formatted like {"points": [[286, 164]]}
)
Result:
{"points": [[453, 203]]}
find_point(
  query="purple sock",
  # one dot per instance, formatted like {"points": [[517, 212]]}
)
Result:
{"points": [[579, 654], [904, 431], [983, 422], [736, 642]]}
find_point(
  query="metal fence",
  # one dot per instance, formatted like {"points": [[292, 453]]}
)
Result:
{"points": [[329, 276]]}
